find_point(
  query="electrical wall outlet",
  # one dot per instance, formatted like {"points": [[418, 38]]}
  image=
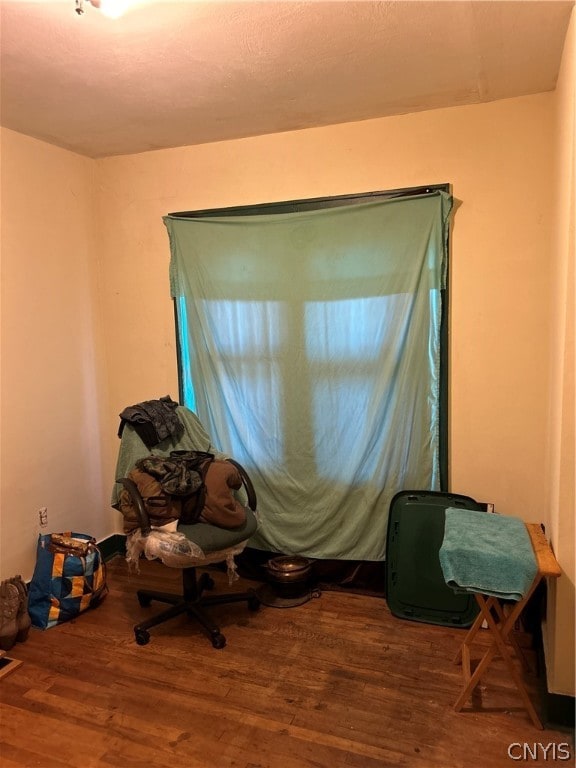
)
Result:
{"points": [[43, 516]]}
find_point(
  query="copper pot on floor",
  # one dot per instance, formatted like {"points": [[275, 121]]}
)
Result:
{"points": [[289, 575]]}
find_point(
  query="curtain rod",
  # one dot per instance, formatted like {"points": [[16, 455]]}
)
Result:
{"points": [[293, 206]]}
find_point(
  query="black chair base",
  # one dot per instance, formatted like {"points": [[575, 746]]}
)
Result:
{"points": [[192, 601]]}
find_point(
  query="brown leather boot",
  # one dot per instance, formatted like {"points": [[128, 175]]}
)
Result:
{"points": [[23, 620], [9, 604]]}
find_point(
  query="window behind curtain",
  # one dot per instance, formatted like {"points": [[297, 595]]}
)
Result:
{"points": [[310, 346]]}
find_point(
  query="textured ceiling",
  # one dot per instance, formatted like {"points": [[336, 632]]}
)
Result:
{"points": [[169, 74]]}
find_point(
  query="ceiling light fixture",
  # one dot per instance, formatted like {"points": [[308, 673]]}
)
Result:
{"points": [[111, 8]]}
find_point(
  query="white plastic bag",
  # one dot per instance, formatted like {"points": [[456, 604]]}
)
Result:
{"points": [[177, 551]]}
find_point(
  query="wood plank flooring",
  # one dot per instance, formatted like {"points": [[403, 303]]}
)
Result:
{"points": [[335, 683]]}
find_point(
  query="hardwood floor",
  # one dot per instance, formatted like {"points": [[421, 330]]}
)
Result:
{"points": [[335, 683]]}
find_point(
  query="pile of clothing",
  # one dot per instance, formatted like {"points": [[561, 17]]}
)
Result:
{"points": [[187, 487]]}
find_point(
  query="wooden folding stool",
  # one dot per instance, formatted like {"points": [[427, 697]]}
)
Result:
{"points": [[500, 626]]}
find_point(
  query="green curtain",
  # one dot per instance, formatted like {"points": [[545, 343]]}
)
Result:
{"points": [[310, 350]]}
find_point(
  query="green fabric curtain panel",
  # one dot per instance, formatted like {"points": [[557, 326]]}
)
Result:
{"points": [[310, 347]]}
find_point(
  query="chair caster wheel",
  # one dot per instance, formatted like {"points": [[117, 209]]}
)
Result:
{"points": [[218, 641], [254, 603], [142, 636], [144, 601]]}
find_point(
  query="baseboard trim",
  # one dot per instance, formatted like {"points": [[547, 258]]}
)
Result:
{"points": [[559, 711], [112, 545], [556, 710]]}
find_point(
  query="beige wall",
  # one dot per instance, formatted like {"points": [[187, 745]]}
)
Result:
{"points": [[559, 627], [497, 158], [51, 375]]}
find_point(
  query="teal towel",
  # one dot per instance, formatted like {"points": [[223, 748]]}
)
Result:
{"points": [[487, 553]]}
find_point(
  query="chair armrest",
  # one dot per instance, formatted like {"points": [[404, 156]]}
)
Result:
{"points": [[250, 492], [138, 503]]}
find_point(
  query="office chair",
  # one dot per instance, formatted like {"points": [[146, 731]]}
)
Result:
{"points": [[215, 543]]}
